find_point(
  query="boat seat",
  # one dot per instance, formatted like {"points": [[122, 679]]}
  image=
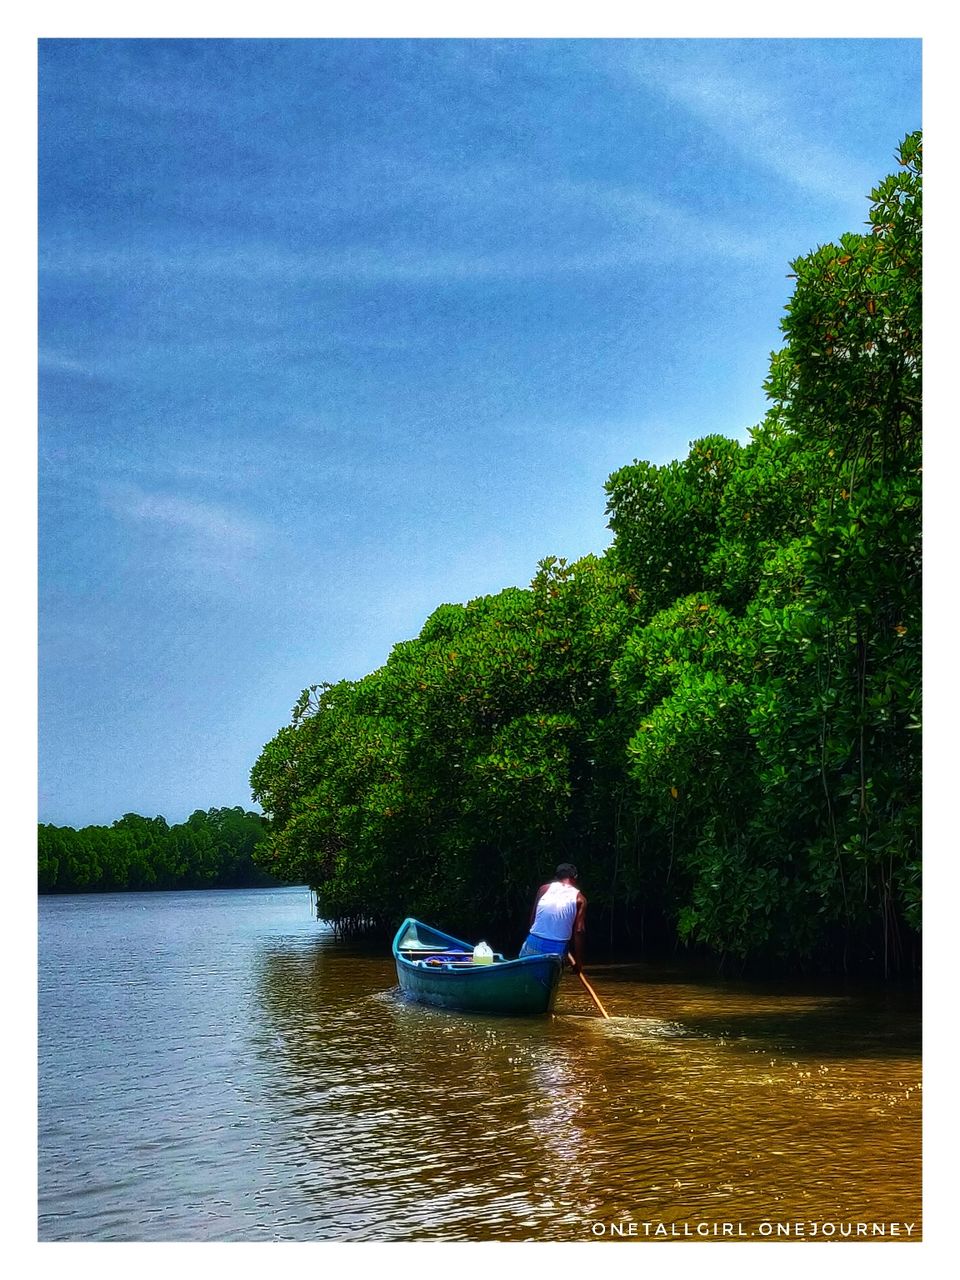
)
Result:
{"points": [[424, 948]]}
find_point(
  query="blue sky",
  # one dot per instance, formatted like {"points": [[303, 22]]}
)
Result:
{"points": [[334, 331]]}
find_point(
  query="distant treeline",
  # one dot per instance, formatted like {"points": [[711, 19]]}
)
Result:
{"points": [[211, 850], [718, 719]]}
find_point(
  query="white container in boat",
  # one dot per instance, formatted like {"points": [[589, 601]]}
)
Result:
{"points": [[482, 954]]}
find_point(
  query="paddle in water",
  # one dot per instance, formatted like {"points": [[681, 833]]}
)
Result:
{"points": [[593, 995]]}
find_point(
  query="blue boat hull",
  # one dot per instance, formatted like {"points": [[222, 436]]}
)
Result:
{"points": [[436, 969]]}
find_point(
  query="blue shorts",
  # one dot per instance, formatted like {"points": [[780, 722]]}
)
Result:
{"points": [[537, 946]]}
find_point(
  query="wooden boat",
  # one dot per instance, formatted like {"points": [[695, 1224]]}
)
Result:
{"points": [[434, 968]]}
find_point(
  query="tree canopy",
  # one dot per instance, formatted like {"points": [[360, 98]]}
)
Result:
{"points": [[211, 850]]}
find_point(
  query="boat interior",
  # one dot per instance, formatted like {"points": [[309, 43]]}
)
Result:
{"points": [[424, 947], [433, 957]]}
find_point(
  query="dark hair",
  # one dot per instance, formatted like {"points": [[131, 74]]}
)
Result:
{"points": [[566, 871]]}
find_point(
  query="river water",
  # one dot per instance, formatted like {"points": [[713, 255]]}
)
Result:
{"points": [[216, 1066]]}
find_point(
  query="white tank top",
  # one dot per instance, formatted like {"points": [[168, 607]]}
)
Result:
{"points": [[556, 912]]}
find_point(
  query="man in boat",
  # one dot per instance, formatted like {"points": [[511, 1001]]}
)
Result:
{"points": [[558, 919]]}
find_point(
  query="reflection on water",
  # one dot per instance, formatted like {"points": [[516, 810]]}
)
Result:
{"points": [[218, 1067]]}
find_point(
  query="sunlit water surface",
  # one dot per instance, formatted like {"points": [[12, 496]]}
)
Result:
{"points": [[217, 1066]]}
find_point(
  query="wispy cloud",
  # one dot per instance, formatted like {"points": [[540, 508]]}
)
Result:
{"points": [[661, 227], [50, 361], [360, 264], [204, 546], [204, 522], [759, 120], [633, 228]]}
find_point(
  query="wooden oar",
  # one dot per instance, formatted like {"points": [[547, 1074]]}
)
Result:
{"points": [[593, 995]]}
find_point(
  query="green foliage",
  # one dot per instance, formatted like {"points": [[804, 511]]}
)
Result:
{"points": [[666, 518], [212, 849], [447, 780], [718, 719], [849, 377]]}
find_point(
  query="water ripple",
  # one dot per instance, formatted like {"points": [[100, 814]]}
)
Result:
{"points": [[218, 1067]]}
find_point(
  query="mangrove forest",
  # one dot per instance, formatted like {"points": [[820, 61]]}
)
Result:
{"points": [[717, 718], [213, 849]]}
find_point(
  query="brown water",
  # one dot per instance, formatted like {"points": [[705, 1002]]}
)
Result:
{"points": [[216, 1066]]}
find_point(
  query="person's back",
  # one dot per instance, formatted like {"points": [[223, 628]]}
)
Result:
{"points": [[557, 922], [555, 911]]}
